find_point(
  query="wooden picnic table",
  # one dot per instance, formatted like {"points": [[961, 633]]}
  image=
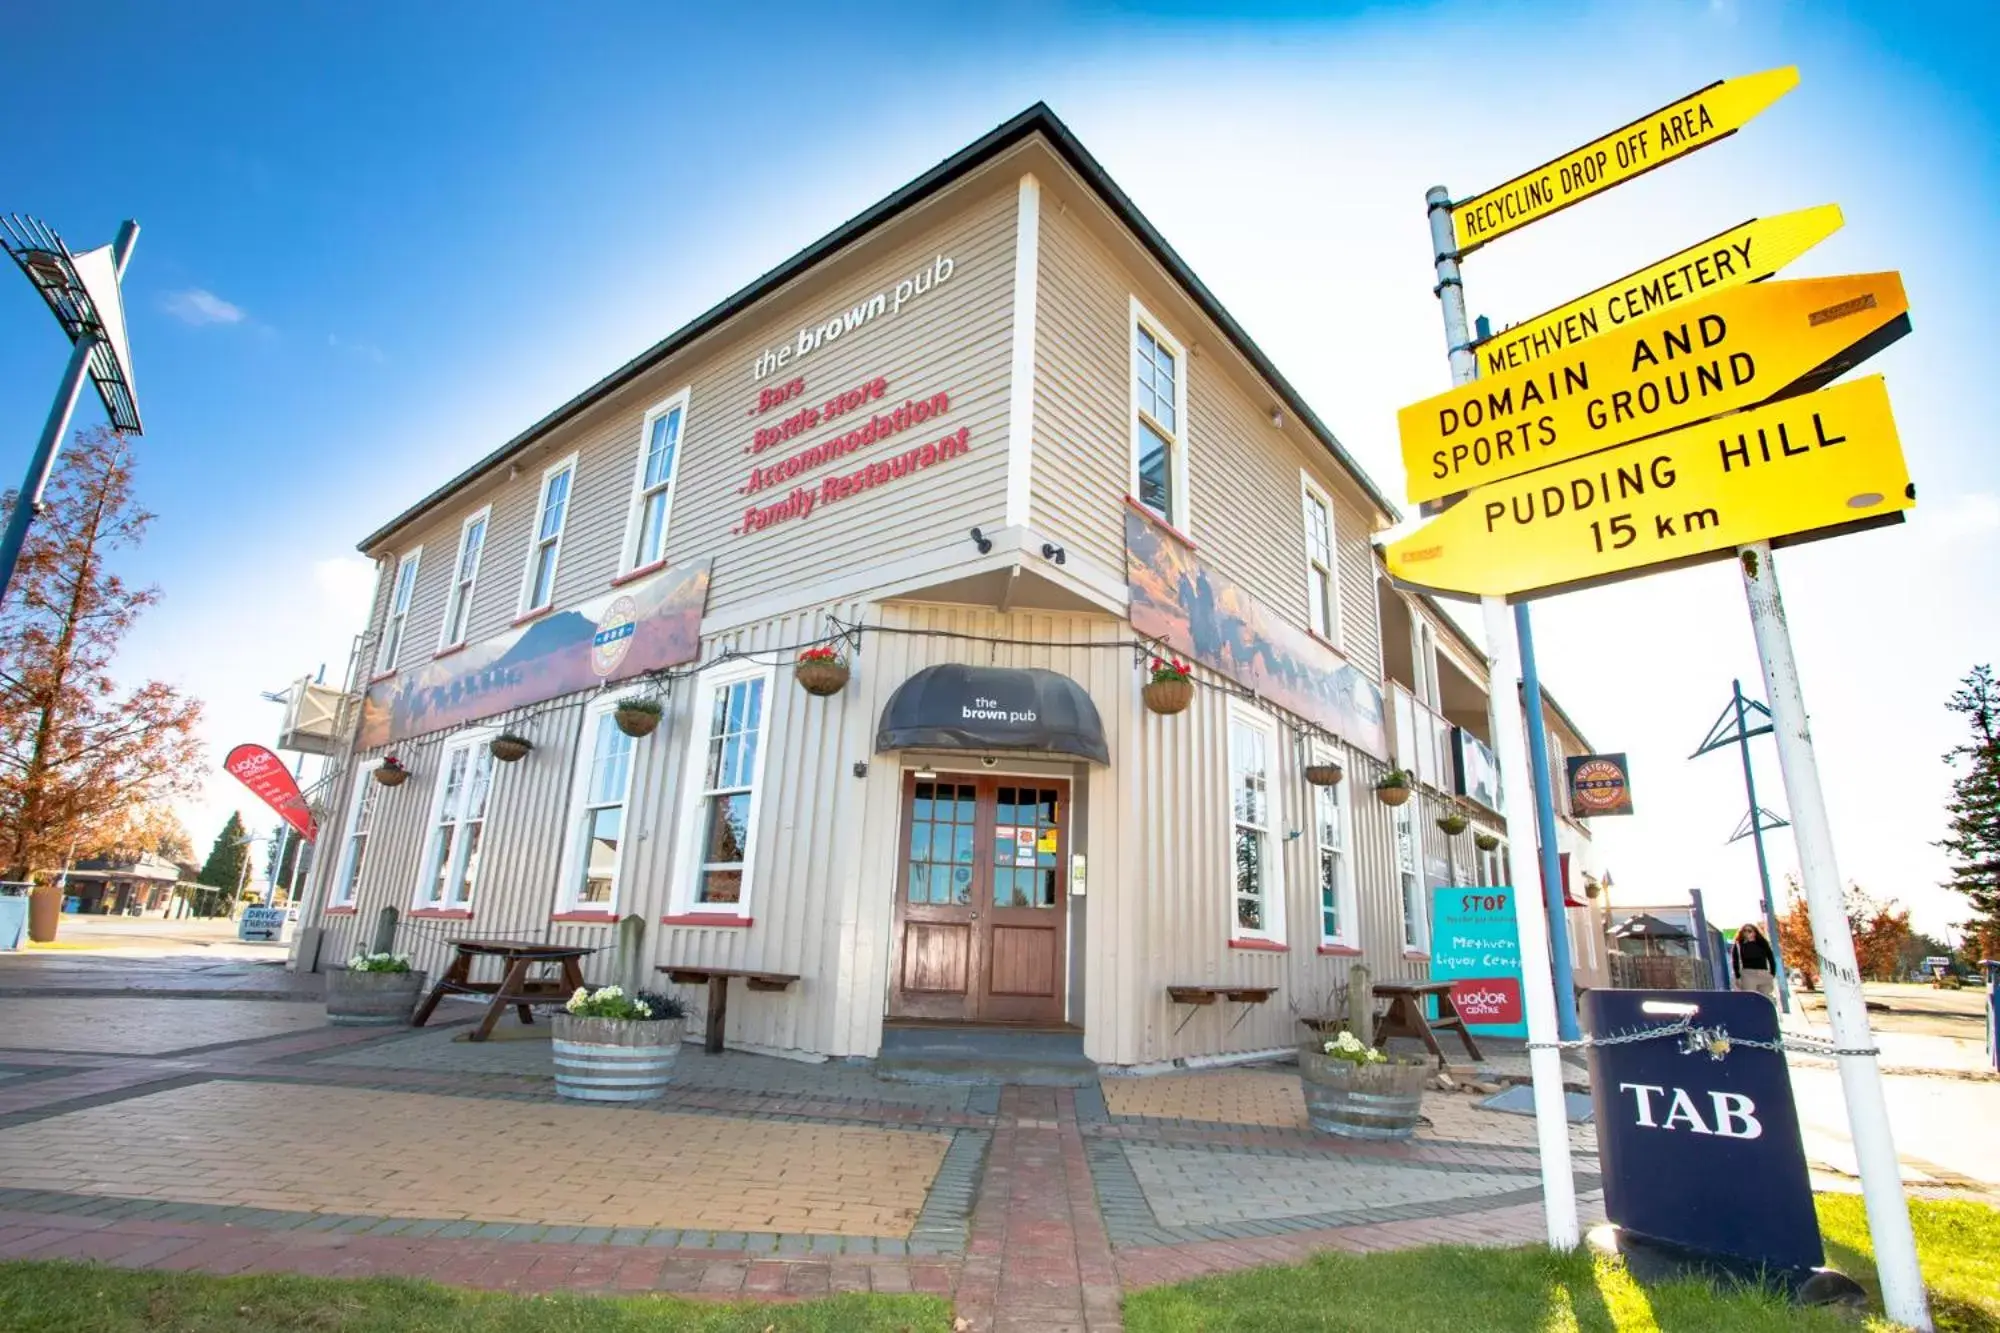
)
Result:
{"points": [[515, 986], [718, 991], [1405, 1017]]}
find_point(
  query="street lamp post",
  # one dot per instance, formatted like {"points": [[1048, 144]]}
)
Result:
{"points": [[83, 293]]}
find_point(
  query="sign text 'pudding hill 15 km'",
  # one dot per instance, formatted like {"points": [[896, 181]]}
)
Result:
{"points": [[1749, 253], [1672, 132], [1811, 466], [1735, 349]]}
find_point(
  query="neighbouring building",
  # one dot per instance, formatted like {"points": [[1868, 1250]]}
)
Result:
{"points": [[993, 443], [103, 887]]}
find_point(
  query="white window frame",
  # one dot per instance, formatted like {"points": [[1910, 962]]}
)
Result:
{"points": [[1423, 644], [575, 850], [345, 890], [1142, 318], [464, 584], [1325, 561], [1345, 904], [631, 556], [695, 792], [1273, 931], [1412, 909], [535, 535], [474, 741], [402, 596]]}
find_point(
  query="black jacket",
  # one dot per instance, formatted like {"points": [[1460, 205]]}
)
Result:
{"points": [[1753, 954]]}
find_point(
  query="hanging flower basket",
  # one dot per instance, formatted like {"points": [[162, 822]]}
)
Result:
{"points": [[391, 773], [1323, 774], [821, 671], [1393, 787], [637, 717], [508, 748], [1453, 825], [1171, 688], [1486, 842]]}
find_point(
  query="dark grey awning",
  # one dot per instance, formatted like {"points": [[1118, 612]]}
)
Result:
{"points": [[953, 707]]}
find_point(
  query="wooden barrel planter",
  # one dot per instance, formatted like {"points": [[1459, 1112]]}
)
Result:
{"points": [[371, 999], [1379, 1101], [615, 1059], [822, 677], [1168, 696]]}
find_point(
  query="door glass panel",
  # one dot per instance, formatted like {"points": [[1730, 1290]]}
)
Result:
{"points": [[1025, 841], [942, 816]]}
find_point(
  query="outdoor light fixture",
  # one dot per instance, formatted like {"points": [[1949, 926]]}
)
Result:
{"points": [[82, 292], [983, 542], [1050, 551], [925, 775]]}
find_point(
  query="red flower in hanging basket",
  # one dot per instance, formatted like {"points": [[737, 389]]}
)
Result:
{"points": [[823, 653], [1165, 669]]}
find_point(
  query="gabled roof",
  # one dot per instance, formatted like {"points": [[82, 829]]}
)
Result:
{"points": [[1037, 119]]}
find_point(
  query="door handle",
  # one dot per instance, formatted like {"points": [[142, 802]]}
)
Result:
{"points": [[973, 917]]}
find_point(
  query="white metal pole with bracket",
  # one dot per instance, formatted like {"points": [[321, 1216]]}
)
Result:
{"points": [[1847, 1012], [1510, 742]]}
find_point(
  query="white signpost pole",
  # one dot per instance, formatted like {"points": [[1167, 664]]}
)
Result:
{"points": [[1847, 1013], [1511, 744]]}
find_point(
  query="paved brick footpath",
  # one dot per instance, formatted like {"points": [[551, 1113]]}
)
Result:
{"points": [[173, 1130]]}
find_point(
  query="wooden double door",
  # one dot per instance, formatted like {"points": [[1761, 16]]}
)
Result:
{"points": [[982, 899]]}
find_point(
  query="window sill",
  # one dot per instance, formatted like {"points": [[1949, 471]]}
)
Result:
{"points": [[448, 651], [348, 909], [633, 576], [535, 614], [708, 919], [381, 676], [1261, 946], [441, 914], [593, 918], [1416, 955], [1162, 524], [1340, 950], [1323, 641]]}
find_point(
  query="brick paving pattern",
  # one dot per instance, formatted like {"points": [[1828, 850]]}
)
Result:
{"points": [[136, 1131]]}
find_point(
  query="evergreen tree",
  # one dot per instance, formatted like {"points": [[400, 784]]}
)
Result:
{"points": [[1974, 808], [288, 868], [224, 867]]}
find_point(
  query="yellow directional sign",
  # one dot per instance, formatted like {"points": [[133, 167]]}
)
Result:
{"points": [[1674, 131], [1732, 350], [1809, 467], [1749, 253]]}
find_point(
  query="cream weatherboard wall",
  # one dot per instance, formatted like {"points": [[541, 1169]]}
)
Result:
{"points": [[954, 339], [1246, 508]]}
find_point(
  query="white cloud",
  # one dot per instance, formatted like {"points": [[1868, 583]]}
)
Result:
{"points": [[198, 305], [367, 351], [345, 584]]}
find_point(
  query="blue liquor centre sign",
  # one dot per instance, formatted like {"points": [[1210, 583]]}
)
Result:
{"points": [[1476, 945]]}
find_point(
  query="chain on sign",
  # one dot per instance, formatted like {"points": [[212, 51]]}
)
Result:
{"points": [[1714, 1041]]}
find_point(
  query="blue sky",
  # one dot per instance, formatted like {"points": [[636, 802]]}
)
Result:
{"points": [[380, 240]]}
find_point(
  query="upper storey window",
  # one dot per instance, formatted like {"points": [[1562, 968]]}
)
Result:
{"points": [[653, 483], [538, 587], [1159, 420]]}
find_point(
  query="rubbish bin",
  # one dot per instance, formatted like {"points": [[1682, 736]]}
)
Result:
{"points": [[13, 915], [44, 912]]}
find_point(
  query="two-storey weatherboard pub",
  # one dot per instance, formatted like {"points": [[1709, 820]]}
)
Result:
{"points": [[995, 446]]}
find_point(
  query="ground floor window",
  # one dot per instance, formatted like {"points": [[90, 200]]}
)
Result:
{"points": [[1336, 881], [354, 839], [595, 845], [1416, 925], [457, 825], [1253, 750], [725, 761]]}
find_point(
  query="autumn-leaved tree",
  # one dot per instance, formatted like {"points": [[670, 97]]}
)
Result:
{"points": [[79, 752], [145, 830], [1795, 939], [1974, 809], [1880, 930]]}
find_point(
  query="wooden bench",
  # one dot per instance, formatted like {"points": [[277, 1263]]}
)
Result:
{"points": [[1195, 997], [514, 987], [1406, 1015], [718, 991]]}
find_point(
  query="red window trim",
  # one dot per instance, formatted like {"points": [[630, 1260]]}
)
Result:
{"points": [[536, 614], [458, 647], [1416, 955], [1261, 946], [1323, 641], [441, 913], [639, 573], [708, 919], [596, 918], [379, 677], [1164, 526], [1342, 950], [344, 909]]}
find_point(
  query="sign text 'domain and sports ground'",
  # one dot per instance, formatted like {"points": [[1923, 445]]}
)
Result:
{"points": [[1738, 348]]}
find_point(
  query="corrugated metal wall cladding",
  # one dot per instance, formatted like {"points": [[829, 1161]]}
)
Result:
{"points": [[1082, 438], [955, 339]]}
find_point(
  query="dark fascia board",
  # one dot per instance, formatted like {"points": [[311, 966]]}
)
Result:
{"points": [[1037, 119]]}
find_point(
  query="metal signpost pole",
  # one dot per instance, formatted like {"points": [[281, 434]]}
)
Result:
{"points": [[1545, 829], [1860, 1077], [1538, 995], [1757, 840]]}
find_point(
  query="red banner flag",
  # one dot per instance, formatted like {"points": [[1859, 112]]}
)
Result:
{"points": [[265, 774]]}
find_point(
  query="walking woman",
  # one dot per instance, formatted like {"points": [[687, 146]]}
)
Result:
{"points": [[1755, 968]]}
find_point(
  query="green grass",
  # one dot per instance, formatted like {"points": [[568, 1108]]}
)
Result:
{"points": [[1471, 1290], [81, 1298]]}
